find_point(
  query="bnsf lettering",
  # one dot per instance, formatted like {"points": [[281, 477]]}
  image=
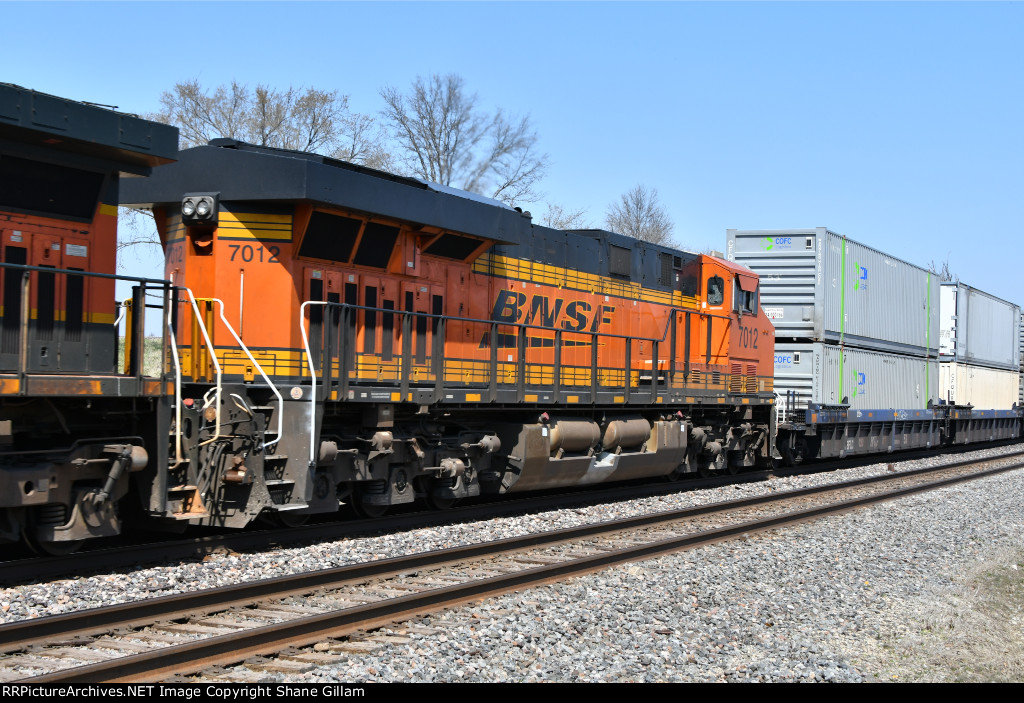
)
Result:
{"points": [[576, 316]]}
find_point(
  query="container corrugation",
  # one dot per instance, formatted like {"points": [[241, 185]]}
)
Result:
{"points": [[978, 328], [817, 285], [981, 386], [1020, 340], [818, 372]]}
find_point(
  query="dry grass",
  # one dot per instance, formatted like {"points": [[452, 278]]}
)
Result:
{"points": [[973, 633], [151, 361]]}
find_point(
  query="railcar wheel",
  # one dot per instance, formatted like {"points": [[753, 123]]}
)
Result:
{"points": [[368, 510], [290, 519], [435, 503], [53, 549], [704, 468]]}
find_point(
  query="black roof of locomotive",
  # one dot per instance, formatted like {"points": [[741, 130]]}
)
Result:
{"points": [[243, 172], [37, 122]]}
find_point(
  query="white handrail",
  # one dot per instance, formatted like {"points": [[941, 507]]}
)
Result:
{"points": [[213, 358], [780, 409], [312, 374], [280, 400], [120, 315], [177, 389]]}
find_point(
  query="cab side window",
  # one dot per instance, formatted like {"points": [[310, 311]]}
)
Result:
{"points": [[743, 301], [716, 290]]}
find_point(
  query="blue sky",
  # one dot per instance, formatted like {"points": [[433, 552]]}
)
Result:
{"points": [[896, 124]]}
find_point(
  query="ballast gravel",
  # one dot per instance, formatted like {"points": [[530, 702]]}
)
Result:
{"points": [[819, 601]]}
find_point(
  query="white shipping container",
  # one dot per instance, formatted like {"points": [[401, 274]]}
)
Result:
{"points": [[819, 286], [977, 328], [983, 387], [819, 373]]}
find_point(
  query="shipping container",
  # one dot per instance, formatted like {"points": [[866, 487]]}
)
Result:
{"points": [[977, 328], [820, 373], [819, 286], [981, 386]]}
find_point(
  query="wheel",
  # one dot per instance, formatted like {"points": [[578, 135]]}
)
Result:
{"points": [[291, 519], [674, 476], [53, 549], [368, 511], [704, 469], [435, 503]]}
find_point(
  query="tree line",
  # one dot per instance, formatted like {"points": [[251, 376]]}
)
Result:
{"points": [[435, 130]]}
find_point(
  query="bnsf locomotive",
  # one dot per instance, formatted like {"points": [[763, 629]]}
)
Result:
{"points": [[351, 336]]}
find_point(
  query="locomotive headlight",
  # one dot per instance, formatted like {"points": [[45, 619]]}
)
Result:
{"points": [[199, 209]]}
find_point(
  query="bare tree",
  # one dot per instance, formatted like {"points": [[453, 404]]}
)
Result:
{"points": [[559, 217], [942, 270], [640, 215], [300, 119], [444, 137]]}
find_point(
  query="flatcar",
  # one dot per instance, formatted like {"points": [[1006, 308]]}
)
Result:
{"points": [[355, 336]]}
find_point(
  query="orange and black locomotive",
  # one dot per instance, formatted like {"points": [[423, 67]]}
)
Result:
{"points": [[351, 336]]}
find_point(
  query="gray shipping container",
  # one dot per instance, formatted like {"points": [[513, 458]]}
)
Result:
{"points": [[817, 372], [977, 328], [819, 286]]}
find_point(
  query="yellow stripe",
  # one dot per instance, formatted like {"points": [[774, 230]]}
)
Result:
{"points": [[255, 217], [242, 225], [256, 226], [110, 210], [533, 272], [9, 386], [261, 234]]}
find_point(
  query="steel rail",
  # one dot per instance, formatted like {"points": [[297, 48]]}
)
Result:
{"points": [[94, 561], [237, 646]]}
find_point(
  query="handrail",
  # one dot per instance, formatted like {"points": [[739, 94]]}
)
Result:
{"points": [[312, 375], [213, 358], [159, 282], [177, 388], [520, 327], [256, 365]]}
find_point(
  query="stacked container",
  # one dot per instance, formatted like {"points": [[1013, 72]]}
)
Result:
{"points": [[853, 325], [979, 348]]}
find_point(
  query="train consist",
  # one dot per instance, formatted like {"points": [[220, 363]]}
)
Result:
{"points": [[338, 335]]}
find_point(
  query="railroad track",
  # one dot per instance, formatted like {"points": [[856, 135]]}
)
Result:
{"points": [[120, 556], [162, 637]]}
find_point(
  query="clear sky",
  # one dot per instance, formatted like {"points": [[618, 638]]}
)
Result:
{"points": [[896, 124]]}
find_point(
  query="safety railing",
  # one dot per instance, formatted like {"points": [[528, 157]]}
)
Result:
{"points": [[408, 349], [65, 322]]}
